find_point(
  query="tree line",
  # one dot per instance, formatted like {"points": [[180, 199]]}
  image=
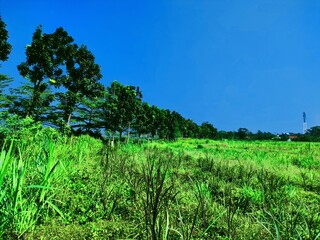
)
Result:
{"points": [[62, 89]]}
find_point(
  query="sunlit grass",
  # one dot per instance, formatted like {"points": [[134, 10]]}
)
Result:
{"points": [[199, 189]]}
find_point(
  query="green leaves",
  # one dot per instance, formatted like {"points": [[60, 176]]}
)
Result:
{"points": [[5, 159], [55, 61], [26, 186], [5, 46], [121, 106], [81, 80]]}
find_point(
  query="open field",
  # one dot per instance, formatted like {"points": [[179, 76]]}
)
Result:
{"points": [[53, 187]]}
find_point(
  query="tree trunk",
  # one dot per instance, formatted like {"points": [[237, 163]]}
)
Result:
{"points": [[112, 141], [69, 118], [128, 137], [89, 123]]}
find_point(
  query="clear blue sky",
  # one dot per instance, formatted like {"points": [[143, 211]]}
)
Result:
{"points": [[239, 63]]}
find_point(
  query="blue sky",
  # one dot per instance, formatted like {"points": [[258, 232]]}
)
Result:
{"points": [[234, 63]]}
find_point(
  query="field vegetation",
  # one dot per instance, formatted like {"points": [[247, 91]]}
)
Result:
{"points": [[56, 187]]}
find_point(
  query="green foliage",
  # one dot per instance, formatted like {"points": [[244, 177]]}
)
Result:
{"points": [[81, 81], [41, 64], [121, 106], [313, 134], [243, 133], [53, 61], [26, 197], [56, 186], [5, 46], [5, 49], [207, 131]]}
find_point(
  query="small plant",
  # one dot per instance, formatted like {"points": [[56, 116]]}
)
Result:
{"points": [[199, 146], [159, 191]]}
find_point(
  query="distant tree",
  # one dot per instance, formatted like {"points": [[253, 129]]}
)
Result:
{"points": [[313, 134], [243, 133], [155, 118], [143, 120], [163, 122], [171, 125], [120, 108], [263, 135], [284, 137], [88, 116], [226, 135], [190, 129], [207, 130], [176, 125]]}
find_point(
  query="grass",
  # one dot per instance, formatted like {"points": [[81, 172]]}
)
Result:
{"points": [[76, 188]]}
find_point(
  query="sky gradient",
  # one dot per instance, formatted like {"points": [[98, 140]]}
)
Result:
{"points": [[252, 64]]}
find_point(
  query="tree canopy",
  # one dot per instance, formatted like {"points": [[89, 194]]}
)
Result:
{"points": [[5, 46]]}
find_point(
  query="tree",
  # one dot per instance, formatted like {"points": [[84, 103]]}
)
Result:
{"points": [[54, 61], [121, 107], [191, 129], [81, 80], [207, 130], [263, 135], [20, 101], [5, 49], [163, 123], [4, 83], [89, 116], [175, 125], [243, 133], [313, 134], [5, 46], [225, 135], [155, 118], [43, 64], [143, 120]]}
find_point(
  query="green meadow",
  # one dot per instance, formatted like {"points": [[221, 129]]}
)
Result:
{"points": [[56, 187], [84, 160]]}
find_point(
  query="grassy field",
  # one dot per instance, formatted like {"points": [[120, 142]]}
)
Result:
{"points": [[52, 187]]}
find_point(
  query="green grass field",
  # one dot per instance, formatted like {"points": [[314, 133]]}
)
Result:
{"points": [[53, 187]]}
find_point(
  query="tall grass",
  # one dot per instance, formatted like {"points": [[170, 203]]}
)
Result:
{"points": [[71, 188], [26, 196]]}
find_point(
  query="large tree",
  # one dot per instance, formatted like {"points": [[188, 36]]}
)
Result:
{"points": [[81, 81], [42, 69], [5, 46], [55, 61], [5, 49]]}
